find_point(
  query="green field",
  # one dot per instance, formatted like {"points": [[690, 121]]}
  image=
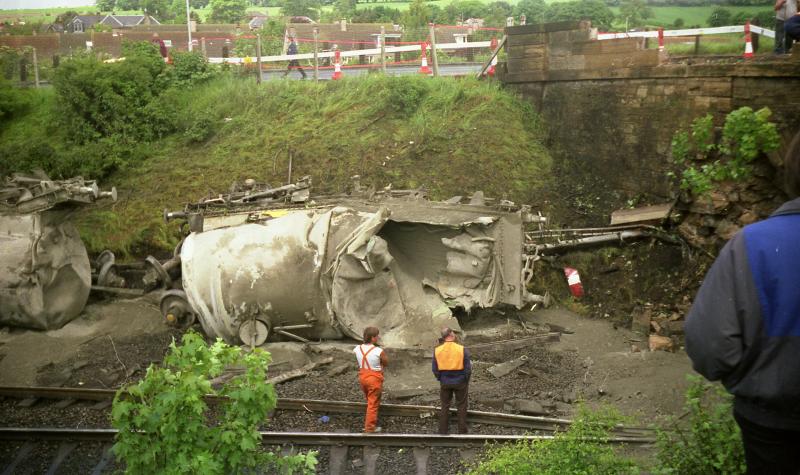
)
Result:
{"points": [[663, 15], [691, 15]]}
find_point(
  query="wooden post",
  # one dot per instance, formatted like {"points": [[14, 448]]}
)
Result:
{"points": [[23, 70], [35, 68], [203, 47], [433, 52], [383, 48], [289, 150], [696, 44], [258, 58], [315, 31]]}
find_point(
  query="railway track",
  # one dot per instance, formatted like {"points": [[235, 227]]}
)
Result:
{"points": [[62, 444], [338, 444], [531, 423]]}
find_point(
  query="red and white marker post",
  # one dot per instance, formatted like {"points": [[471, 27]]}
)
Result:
{"points": [[424, 69], [661, 39], [337, 66], [574, 282], [748, 41]]}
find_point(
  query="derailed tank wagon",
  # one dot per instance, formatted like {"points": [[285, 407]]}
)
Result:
{"points": [[262, 261], [45, 274]]}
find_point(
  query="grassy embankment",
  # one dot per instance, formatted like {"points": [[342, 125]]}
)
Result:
{"points": [[451, 136]]}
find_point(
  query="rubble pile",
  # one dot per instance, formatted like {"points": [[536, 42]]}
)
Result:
{"points": [[710, 221]]}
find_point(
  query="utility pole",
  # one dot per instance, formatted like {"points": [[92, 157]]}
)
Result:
{"points": [[315, 31], [189, 25], [383, 48], [35, 68], [433, 51], [258, 57]]}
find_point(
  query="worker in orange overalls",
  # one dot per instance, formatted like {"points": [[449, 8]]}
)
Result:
{"points": [[452, 368], [371, 362]]}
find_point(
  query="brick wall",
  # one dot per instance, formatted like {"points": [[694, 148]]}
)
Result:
{"points": [[611, 107]]}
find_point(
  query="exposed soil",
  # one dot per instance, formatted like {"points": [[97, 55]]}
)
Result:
{"points": [[594, 362]]}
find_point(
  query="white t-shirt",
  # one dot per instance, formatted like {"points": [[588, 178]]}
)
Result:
{"points": [[373, 357], [788, 10]]}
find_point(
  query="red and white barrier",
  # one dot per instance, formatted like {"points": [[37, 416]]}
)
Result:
{"points": [[492, 46], [748, 42], [424, 69], [719, 30], [574, 282], [337, 66]]}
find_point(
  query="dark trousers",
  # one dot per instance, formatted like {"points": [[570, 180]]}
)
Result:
{"points": [[461, 393], [783, 42], [769, 451], [296, 65]]}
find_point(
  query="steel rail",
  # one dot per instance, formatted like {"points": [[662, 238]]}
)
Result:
{"points": [[317, 438], [534, 423]]}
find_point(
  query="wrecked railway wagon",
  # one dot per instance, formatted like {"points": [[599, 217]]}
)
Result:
{"points": [[263, 261], [45, 275]]}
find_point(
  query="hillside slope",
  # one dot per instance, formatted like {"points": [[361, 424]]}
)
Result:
{"points": [[451, 136]]}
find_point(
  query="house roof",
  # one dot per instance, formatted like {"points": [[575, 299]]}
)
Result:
{"points": [[88, 20], [124, 21], [357, 34], [258, 21]]}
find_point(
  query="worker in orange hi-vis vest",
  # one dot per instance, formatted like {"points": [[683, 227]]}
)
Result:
{"points": [[371, 362], [452, 368]]}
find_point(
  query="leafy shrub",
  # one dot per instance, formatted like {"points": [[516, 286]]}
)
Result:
{"points": [[190, 68], [582, 449], [164, 425], [99, 100], [12, 100], [708, 440], [745, 136]]}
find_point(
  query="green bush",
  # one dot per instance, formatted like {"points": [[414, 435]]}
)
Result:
{"points": [[707, 439], [745, 136], [582, 449], [165, 425], [13, 100], [103, 100]]}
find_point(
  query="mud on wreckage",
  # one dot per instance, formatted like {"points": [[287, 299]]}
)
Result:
{"points": [[262, 261], [45, 274]]}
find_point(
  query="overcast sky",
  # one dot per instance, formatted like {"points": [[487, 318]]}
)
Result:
{"points": [[15, 4]]}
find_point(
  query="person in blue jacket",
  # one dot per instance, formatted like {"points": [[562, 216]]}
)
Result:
{"points": [[744, 330], [452, 367], [292, 50]]}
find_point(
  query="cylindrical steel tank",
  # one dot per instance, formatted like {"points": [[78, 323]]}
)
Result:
{"points": [[45, 275], [255, 276]]}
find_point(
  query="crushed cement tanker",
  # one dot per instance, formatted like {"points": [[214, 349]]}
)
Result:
{"points": [[45, 275], [266, 261]]}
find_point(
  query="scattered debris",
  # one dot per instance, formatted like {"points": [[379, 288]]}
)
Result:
{"points": [[660, 343], [339, 369], [655, 214], [407, 393], [300, 372], [502, 369], [526, 406]]}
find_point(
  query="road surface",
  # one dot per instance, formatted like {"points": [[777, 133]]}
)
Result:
{"points": [[460, 69]]}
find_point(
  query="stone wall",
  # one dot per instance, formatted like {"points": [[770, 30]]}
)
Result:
{"points": [[66, 43], [612, 106]]}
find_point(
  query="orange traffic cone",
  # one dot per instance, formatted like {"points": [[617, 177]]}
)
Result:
{"points": [[424, 69], [748, 42], [337, 66], [492, 46]]}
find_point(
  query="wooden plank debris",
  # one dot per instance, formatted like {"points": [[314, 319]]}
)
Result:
{"points": [[645, 214]]}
